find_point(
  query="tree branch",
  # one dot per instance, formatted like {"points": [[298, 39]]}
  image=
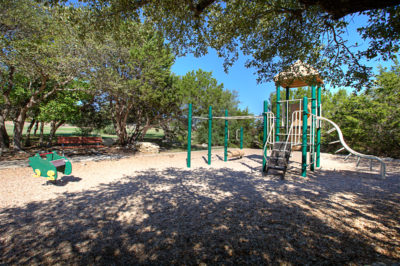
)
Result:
{"points": [[341, 44], [200, 7], [340, 8]]}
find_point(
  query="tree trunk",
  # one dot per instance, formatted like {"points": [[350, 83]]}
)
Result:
{"points": [[18, 130], [36, 128], [169, 135], [54, 127], [41, 134], [120, 112], [4, 138], [28, 133], [34, 100], [135, 134], [144, 131], [120, 128]]}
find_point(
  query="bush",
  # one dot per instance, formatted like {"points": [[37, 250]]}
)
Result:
{"points": [[110, 130], [84, 131]]}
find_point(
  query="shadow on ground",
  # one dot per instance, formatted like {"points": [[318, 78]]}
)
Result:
{"points": [[64, 180], [207, 215]]}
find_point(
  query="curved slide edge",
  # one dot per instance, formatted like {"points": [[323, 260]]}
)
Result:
{"points": [[365, 156]]}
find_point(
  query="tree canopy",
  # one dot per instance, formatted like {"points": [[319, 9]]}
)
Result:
{"points": [[273, 33], [40, 53]]}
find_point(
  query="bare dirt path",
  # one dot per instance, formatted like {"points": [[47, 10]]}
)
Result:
{"points": [[152, 209]]}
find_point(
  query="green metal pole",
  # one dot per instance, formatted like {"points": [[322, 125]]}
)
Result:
{"points": [[265, 132], [241, 138], [319, 126], [287, 93], [189, 145], [312, 126], [278, 111], [209, 133], [304, 140], [287, 115], [226, 138]]}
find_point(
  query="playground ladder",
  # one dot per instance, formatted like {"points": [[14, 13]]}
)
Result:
{"points": [[294, 138], [279, 158]]}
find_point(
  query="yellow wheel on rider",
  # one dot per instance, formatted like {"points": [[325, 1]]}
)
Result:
{"points": [[51, 175], [37, 173]]}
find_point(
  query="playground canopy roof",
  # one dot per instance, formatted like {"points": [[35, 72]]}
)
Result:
{"points": [[298, 75]]}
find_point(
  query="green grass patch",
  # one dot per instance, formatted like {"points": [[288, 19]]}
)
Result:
{"points": [[152, 134]]}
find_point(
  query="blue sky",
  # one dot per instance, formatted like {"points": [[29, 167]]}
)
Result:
{"points": [[243, 80], [239, 78]]}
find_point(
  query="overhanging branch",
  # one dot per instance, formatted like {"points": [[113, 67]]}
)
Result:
{"points": [[340, 8]]}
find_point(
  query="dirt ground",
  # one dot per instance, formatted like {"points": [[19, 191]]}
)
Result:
{"points": [[152, 209]]}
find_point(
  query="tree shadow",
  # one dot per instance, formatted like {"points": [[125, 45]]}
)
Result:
{"points": [[252, 168], [215, 216], [255, 158]]}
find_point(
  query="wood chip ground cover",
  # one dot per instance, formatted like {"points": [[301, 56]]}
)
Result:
{"points": [[153, 210]]}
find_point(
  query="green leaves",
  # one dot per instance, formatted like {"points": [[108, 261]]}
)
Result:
{"points": [[275, 34], [371, 121], [202, 90], [130, 68]]}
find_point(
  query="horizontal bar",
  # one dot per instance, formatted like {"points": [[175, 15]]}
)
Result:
{"points": [[237, 117]]}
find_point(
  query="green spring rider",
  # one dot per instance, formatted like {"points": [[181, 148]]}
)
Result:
{"points": [[48, 164]]}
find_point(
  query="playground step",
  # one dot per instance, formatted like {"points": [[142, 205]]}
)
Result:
{"points": [[278, 158], [277, 167], [279, 150], [279, 153], [333, 142]]}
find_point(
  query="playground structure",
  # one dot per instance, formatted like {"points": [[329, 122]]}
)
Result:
{"points": [[300, 124], [296, 123], [227, 153], [48, 164]]}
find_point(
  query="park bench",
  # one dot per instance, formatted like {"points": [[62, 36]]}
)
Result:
{"points": [[80, 142]]}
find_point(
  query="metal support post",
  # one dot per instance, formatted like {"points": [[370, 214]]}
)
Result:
{"points": [[318, 144], [189, 144], [265, 133], [226, 138], [287, 115], [287, 93], [278, 111], [209, 134], [312, 126], [304, 140], [241, 138]]}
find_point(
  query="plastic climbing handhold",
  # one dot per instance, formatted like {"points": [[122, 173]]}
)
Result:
{"points": [[36, 173], [51, 175]]}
